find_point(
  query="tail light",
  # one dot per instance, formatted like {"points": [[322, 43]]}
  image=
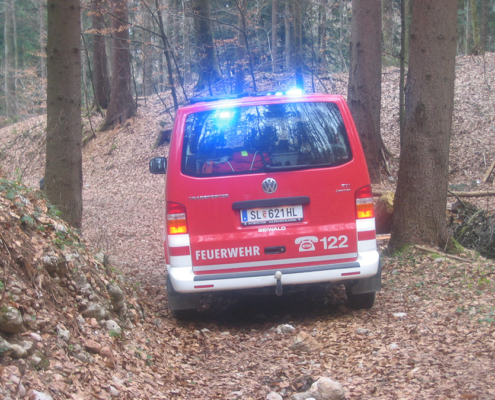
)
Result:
{"points": [[176, 218], [364, 203]]}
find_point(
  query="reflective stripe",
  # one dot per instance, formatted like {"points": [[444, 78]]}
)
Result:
{"points": [[350, 273], [270, 272], [179, 251], [264, 264], [178, 240], [365, 224], [367, 235]]}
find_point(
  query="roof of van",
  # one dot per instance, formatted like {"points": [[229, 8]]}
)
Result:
{"points": [[261, 98]]}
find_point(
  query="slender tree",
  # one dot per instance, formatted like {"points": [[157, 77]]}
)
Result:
{"points": [[63, 171], [168, 54], [186, 59], [341, 35], [147, 54], [298, 50], [468, 33], [421, 196], [171, 23], [407, 30], [405, 21], [274, 35], [473, 5], [322, 35], [241, 48], [121, 106], [288, 34], [484, 25], [364, 91], [100, 62], [388, 31], [42, 37], [10, 57], [209, 69]]}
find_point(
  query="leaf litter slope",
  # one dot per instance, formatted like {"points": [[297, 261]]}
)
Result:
{"points": [[430, 335]]}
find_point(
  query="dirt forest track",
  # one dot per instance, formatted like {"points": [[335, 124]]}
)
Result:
{"points": [[123, 202], [430, 335]]}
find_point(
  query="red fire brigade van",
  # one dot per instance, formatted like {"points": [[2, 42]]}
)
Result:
{"points": [[267, 191]]}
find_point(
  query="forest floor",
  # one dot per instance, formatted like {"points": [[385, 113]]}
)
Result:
{"points": [[431, 333]]}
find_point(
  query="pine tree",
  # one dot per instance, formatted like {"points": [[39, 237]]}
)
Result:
{"points": [[364, 90], [121, 106], [419, 205], [63, 171]]}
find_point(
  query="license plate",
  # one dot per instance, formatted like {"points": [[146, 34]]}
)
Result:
{"points": [[271, 215]]}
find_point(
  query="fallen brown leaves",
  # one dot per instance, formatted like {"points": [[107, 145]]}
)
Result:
{"points": [[430, 335]]}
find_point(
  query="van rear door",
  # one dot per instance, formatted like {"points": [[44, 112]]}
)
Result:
{"points": [[270, 187]]}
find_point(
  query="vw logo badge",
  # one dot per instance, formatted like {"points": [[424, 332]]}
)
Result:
{"points": [[269, 185]]}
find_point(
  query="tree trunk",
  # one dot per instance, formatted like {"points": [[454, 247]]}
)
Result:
{"points": [[42, 43], [341, 35], [408, 16], [16, 47], [274, 35], [162, 71], [322, 36], [147, 56], [121, 106], [298, 56], [405, 12], [288, 33], [209, 70], [171, 31], [63, 171], [241, 49], [186, 61], [387, 31], [10, 64], [476, 27], [167, 51], [468, 36], [421, 195], [484, 25], [100, 62], [364, 91]]}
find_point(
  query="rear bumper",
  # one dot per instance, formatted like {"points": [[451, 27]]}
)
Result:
{"points": [[185, 281]]}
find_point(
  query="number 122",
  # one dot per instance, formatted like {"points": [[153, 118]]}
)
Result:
{"points": [[333, 242]]}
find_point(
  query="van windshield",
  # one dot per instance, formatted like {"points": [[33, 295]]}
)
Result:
{"points": [[264, 138]]}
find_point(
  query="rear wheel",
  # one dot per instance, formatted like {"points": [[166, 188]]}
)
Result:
{"points": [[361, 301], [184, 315]]}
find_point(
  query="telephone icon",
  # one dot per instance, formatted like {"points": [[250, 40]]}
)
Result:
{"points": [[306, 243]]}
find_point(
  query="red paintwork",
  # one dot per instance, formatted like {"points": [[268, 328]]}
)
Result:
{"points": [[213, 224]]}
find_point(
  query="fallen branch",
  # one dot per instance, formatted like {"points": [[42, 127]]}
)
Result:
{"points": [[489, 172], [429, 250]]}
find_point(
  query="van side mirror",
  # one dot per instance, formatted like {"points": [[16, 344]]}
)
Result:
{"points": [[158, 165]]}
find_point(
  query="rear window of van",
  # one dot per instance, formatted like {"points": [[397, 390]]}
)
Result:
{"points": [[270, 137]]}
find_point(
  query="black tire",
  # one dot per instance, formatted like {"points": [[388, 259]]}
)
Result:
{"points": [[361, 301], [185, 315]]}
